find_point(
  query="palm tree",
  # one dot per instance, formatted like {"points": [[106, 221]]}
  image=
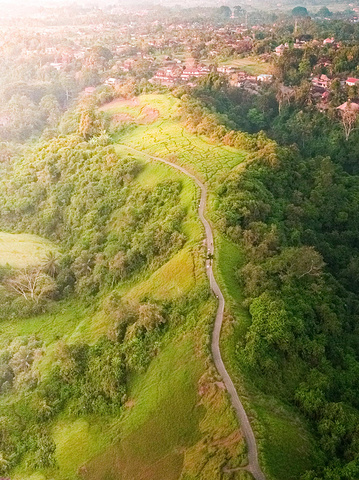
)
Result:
{"points": [[51, 264]]}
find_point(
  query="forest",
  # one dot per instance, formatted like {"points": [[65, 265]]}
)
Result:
{"points": [[292, 211]]}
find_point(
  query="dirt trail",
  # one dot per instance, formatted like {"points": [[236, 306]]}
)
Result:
{"points": [[253, 464]]}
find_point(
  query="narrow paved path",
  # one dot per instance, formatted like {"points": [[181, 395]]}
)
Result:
{"points": [[253, 464]]}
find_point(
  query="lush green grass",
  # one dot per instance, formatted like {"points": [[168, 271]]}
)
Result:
{"points": [[251, 65], [59, 323], [23, 250], [166, 137], [168, 429], [82, 439]]}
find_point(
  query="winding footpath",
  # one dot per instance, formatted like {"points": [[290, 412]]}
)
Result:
{"points": [[253, 465]]}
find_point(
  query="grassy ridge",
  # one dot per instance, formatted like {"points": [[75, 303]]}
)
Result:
{"points": [[167, 425], [167, 137], [286, 446]]}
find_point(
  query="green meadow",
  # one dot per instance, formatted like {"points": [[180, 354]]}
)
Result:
{"points": [[23, 250], [251, 65]]}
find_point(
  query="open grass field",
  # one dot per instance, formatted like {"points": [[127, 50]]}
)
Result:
{"points": [[251, 65], [23, 250], [167, 137]]}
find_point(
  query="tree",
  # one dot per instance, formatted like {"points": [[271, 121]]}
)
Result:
{"points": [[150, 316], [51, 264], [238, 11], [324, 12], [349, 115], [51, 108], [118, 266], [4, 463], [225, 11], [284, 95], [299, 12], [32, 284]]}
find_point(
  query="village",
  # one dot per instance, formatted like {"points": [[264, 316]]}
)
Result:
{"points": [[106, 49]]}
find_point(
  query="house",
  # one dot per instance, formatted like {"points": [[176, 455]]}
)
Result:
{"points": [[321, 81], [167, 76], [194, 72], [50, 50], [352, 81], [325, 97], [57, 66], [128, 64], [111, 82], [89, 91], [280, 49], [349, 106], [299, 44], [328, 41], [265, 78], [226, 70]]}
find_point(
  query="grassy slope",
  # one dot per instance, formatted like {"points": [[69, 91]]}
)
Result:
{"points": [[23, 250], [166, 425], [165, 418], [286, 446], [168, 137]]}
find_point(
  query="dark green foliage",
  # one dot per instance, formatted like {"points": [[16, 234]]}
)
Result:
{"points": [[297, 224], [224, 12], [299, 12], [79, 194]]}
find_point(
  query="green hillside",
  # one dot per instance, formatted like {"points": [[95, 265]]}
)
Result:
{"points": [[120, 369], [119, 381], [286, 444]]}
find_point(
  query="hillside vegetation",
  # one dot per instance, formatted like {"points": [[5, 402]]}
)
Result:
{"points": [[104, 358], [190, 135], [118, 327]]}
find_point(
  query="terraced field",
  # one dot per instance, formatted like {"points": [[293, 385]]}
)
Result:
{"points": [[167, 137]]}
